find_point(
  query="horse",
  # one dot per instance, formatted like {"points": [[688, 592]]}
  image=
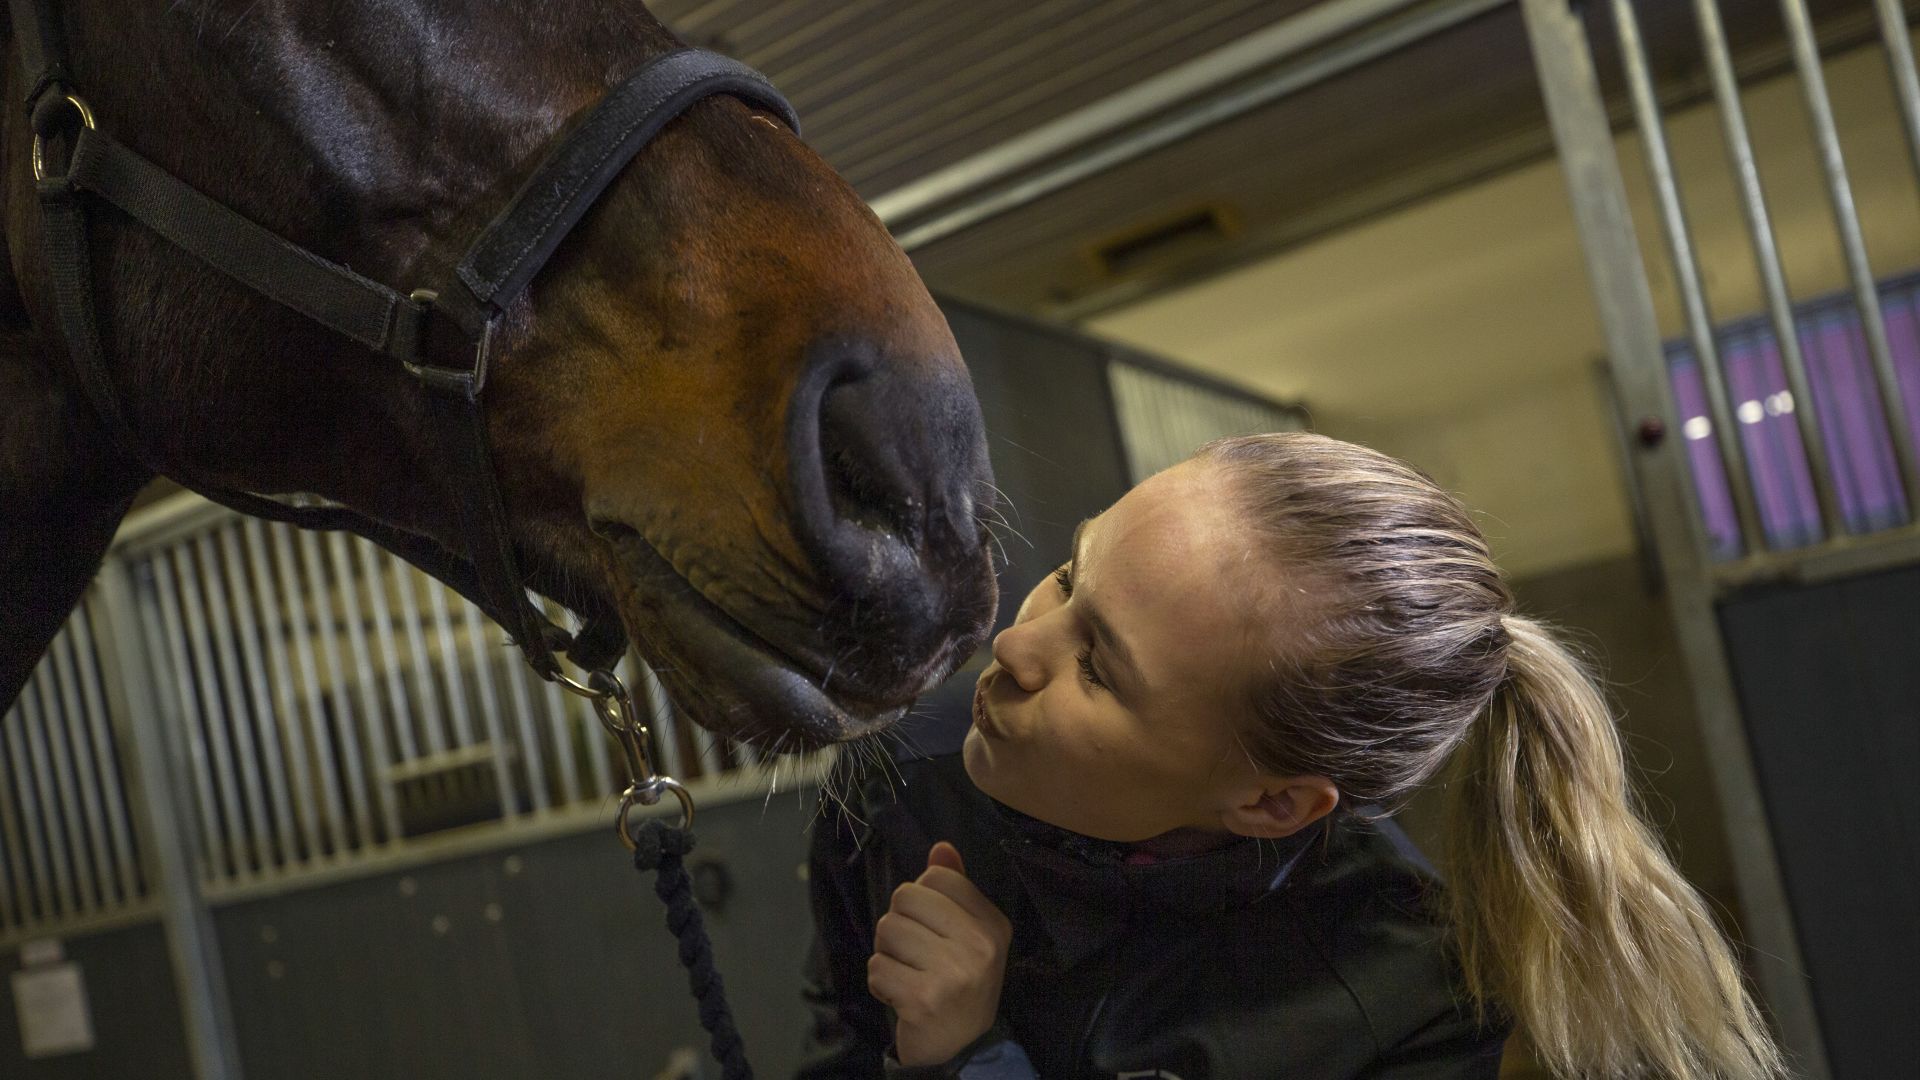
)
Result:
{"points": [[727, 412]]}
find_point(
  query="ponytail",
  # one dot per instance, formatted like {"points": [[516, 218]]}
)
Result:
{"points": [[1567, 913], [1566, 910]]}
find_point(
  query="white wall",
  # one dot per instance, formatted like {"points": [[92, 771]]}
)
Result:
{"points": [[1460, 334]]}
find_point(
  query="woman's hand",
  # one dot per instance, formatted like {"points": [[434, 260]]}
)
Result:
{"points": [[939, 956]]}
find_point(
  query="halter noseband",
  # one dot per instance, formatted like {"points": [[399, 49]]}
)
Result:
{"points": [[443, 334]]}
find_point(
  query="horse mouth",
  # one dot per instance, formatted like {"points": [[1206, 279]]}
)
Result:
{"points": [[731, 680]]}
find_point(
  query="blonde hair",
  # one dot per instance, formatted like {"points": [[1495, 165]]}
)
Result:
{"points": [[1565, 911]]}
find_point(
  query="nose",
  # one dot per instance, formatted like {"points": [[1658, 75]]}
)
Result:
{"points": [[889, 459], [1016, 650]]}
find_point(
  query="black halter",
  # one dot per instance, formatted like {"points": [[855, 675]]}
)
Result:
{"points": [[443, 334]]}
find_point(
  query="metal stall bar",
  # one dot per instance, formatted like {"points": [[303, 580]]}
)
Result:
{"points": [[448, 661], [67, 787], [1753, 202], [286, 712], [234, 695], [1906, 83], [482, 680], [16, 900], [521, 701], [560, 717], [346, 580], [106, 756], [581, 712], [1846, 221], [372, 564], [86, 779], [432, 718], [170, 634], [1584, 136], [666, 737], [1686, 274], [345, 745], [266, 729], [50, 815], [40, 903], [209, 721], [299, 628], [199, 977]]}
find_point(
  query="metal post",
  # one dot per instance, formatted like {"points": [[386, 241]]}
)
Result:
{"points": [[152, 774], [1733, 123], [1906, 83], [1625, 304], [1846, 221], [1686, 274]]}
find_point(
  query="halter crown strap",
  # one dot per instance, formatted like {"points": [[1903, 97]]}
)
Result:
{"points": [[507, 254]]}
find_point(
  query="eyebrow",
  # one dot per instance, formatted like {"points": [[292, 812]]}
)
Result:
{"points": [[1121, 658]]}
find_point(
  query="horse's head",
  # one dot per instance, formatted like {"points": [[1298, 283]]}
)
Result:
{"points": [[727, 408]]}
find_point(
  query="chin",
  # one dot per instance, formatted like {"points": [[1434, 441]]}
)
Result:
{"points": [[973, 755]]}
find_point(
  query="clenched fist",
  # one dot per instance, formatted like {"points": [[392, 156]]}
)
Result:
{"points": [[939, 956]]}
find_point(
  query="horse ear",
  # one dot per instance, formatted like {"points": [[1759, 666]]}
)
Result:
{"points": [[1282, 806]]}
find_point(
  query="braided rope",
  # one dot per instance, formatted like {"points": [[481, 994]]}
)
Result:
{"points": [[662, 848]]}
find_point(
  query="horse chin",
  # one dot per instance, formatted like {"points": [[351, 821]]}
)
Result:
{"points": [[728, 679]]}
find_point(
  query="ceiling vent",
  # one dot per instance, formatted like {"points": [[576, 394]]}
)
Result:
{"points": [[1165, 241]]}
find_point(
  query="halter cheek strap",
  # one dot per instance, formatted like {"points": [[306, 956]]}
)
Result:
{"points": [[444, 336]]}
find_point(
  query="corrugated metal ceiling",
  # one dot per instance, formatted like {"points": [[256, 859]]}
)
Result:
{"points": [[892, 90]]}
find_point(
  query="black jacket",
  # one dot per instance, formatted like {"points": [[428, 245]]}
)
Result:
{"points": [[1313, 958]]}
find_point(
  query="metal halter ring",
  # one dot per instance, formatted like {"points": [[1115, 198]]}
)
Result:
{"points": [[86, 120], [647, 795], [644, 786], [580, 689]]}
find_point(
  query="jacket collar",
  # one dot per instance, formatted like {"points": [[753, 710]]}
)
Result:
{"points": [[1088, 894]]}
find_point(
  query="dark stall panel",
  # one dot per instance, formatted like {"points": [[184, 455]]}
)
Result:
{"points": [[135, 1013], [1051, 432], [549, 959], [1057, 460], [1829, 683]]}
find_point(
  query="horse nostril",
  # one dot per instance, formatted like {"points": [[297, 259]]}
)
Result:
{"points": [[887, 454], [867, 477]]}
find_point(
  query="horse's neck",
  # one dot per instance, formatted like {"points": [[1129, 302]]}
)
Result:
{"points": [[62, 492]]}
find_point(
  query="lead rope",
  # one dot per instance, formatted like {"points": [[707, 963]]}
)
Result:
{"points": [[662, 848]]}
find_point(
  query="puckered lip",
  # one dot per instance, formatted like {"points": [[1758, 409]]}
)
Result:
{"points": [[732, 681], [982, 716]]}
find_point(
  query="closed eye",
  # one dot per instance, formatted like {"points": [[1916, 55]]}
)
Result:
{"points": [[1088, 672], [1063, 577]]}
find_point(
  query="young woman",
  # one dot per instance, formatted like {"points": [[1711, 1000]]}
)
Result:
{"points": [[1165, 856]]}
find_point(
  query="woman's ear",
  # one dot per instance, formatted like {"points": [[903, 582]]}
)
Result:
{"points": [[1282, 806]]}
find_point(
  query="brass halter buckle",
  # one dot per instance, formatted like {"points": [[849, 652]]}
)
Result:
{"points": [[614, 706]]}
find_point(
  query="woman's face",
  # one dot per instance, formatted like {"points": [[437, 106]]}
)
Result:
{"points": [[1111, 703]]}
